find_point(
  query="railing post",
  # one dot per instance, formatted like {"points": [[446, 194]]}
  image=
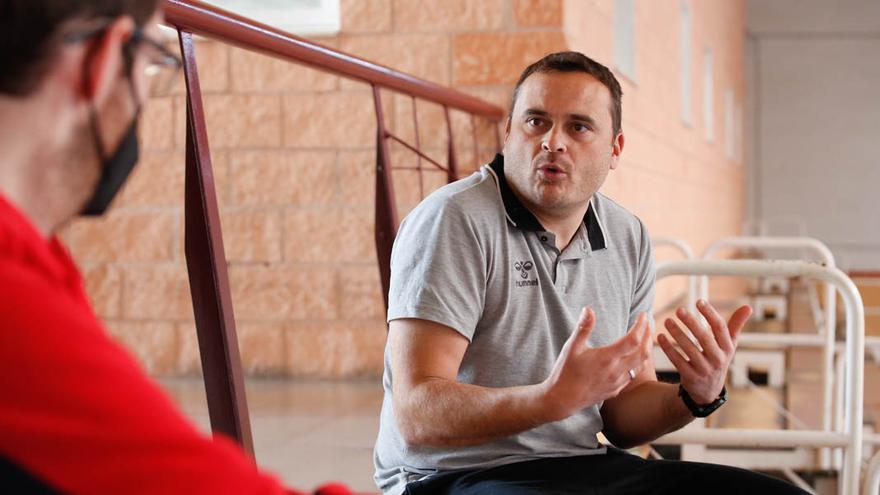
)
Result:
{"points": [[418, 146], [206, 265], [451, 162], [386, 208], [476, 140]]}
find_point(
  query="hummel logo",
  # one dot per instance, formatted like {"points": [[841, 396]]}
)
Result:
{"points": [[523, 267]]}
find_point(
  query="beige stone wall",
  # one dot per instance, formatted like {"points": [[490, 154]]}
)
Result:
{"points": [[680, 184], [293, 160]]}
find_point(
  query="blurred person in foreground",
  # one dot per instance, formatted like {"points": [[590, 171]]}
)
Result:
{"points": [[520, 327], [77, 413]]}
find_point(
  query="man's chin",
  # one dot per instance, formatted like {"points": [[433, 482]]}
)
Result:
{"points": [[550, 202], [549, 195]]}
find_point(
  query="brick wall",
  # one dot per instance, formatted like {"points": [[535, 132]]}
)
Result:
{"points": [[293, 160]]}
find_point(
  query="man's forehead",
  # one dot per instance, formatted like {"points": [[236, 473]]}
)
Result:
{"points": [[572, 92]]}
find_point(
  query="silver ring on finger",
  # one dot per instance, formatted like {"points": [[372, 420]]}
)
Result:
{"points": [[632, 375]]}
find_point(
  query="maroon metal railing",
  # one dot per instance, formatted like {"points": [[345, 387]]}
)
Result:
{"points": [[209, 282]]}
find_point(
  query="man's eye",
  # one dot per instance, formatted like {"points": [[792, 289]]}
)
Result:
{"points": [[580, 128], [535, 121]]}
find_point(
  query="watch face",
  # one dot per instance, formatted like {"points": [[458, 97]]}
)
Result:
{"points": [[709, 408]]}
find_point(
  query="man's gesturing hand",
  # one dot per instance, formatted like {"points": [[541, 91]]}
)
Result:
{"points": [[703, 368], [583, 376]]}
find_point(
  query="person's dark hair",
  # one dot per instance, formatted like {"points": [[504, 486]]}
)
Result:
{"points": [[31, 33], [577, 62]]}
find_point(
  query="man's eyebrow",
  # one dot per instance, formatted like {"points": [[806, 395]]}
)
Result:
{"points": [[583, 118], [535, 111], [572, 116]]}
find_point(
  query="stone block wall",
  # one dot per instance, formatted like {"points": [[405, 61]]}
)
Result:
{"points": [[293, 154]]}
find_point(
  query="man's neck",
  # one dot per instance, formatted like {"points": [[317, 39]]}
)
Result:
{"points": [[17, 190], [26, 168], [564, 225]]}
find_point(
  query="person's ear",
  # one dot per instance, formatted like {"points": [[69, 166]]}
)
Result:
{"points": [[616, 150], [507, 128], [105, 61]]}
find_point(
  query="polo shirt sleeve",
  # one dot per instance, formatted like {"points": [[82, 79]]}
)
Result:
{"points": [[644, 281], [438, 268]]}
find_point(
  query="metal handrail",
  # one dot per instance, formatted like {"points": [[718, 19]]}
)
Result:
{"points": [[850, 436], [207, 20], [205, 254]]}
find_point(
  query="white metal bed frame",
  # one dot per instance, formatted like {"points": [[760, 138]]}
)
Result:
{"points": [[661, 362], [847, 435], [872, 476], [825, 340]]}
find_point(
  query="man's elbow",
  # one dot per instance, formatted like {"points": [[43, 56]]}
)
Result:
{"points": [[630, 439], [414, 429], [620, 441], [416, 434]]}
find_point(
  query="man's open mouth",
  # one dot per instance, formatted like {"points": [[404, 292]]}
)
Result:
{"points": [[551, 171]]}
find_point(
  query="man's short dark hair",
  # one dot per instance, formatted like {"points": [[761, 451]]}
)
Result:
{"points": [[30, 34], [577, 62]]}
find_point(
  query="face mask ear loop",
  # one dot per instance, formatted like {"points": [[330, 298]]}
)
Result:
{"points": [[96, 133], [93, 112], [128, 58]]}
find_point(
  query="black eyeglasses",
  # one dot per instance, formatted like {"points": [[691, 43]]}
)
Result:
{"points": [[162, 66]]}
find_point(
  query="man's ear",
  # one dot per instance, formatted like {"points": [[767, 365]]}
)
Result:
{"points": [[507, 129], [105, 61], [616, 150]]}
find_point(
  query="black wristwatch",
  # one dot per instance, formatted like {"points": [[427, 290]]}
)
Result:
{"points": [[702, 411]]}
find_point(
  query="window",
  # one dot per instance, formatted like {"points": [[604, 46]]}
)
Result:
{"points": [[624, 37], [684, 46], [708, 97], [729, 125], [301, 17]]}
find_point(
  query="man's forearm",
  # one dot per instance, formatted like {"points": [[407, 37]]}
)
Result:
{"points": [[644, 413], [440, 412], [432, 408]]}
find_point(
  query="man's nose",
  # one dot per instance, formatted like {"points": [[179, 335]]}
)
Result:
{"points": [[553, 142]]}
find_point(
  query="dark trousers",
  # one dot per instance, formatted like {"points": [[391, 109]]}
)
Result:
{"points": [[616, 472]]}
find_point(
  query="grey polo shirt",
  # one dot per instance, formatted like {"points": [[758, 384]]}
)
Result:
{"points": [[472, 257]]}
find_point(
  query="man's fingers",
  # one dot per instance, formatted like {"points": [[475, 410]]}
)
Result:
{"points": [[637, 348], [738, 321], [681, 364], [632, 340], [585, 326], [634, 349], [687, 346], [646, 340], [641, 355], [708, 345], [718, 325]]}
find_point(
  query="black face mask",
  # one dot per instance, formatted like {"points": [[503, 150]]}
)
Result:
{"points": [[116, 168]]}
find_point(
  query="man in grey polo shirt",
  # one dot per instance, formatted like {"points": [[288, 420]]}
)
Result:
{"points": [[519, 320]]}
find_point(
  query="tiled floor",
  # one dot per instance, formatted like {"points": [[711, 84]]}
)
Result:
{"points": [[305, 432]]}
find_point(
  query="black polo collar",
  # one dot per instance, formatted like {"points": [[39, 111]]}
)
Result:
{"points": [[524, 219]]}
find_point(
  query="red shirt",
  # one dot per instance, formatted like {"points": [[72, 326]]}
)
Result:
{"points": [[76, 410]]}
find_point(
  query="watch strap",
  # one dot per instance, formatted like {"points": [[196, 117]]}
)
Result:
{"points": [[701, 411]]}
